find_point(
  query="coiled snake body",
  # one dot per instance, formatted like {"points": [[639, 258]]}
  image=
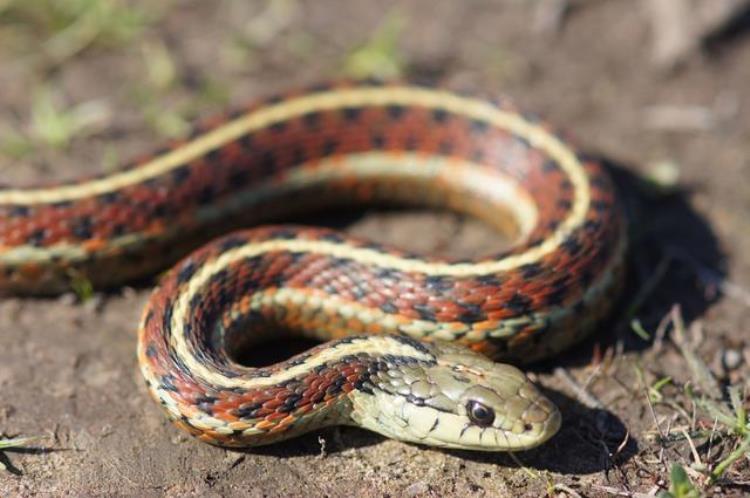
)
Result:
{"points": [[409, 335]]}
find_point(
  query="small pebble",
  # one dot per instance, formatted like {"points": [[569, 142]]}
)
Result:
{"points": [[418, 488], [731, 359], [129, 293], [664, 174], [67, 299]]}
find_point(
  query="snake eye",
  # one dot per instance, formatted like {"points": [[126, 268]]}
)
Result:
{"points": [[480, 413]]}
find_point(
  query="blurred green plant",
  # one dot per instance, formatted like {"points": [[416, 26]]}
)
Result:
{"points": [[161, 69], [162, 80], [81, 286], [55, 126], [680, 485], [14, 144], [161, 76], [71, 26], [52, 125], [379, 56]]}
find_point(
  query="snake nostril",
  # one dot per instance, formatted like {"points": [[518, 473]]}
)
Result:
{"points": [[527, 427]]}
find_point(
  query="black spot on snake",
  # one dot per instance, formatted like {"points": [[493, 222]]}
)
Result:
{"points": [[311, 120], [439, 115], [352, 113]]}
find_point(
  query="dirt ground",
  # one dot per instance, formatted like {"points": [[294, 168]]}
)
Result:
{"points": [[71, 105]]}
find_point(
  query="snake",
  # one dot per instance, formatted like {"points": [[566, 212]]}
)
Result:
{"points": [[411, 344]]}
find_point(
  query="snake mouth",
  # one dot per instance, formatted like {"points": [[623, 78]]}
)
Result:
{"points": [[546, 430], [540, 421]]}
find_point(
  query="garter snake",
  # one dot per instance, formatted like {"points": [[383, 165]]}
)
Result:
{"points": [[410, 336]]}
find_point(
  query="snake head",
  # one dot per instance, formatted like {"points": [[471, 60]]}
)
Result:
{"points": [[461, 400]]}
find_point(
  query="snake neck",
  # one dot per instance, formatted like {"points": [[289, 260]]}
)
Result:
{"points": [[232, 405]]}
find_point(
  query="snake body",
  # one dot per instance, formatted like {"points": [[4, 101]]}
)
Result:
{"points": [[409, 335]]}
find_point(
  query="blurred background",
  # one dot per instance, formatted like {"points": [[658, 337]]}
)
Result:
{"points": [[658, 89]]}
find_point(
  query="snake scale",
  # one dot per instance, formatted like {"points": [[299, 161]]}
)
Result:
{"points": [[411, 338]]}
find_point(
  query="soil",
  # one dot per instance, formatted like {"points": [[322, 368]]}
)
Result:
{"points": [[68, 369]]}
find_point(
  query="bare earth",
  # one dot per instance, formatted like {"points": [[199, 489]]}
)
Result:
{"points": [[68, 369]]}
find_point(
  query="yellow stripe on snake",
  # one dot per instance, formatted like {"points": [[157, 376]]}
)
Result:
{"points": [[411, 338]]}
